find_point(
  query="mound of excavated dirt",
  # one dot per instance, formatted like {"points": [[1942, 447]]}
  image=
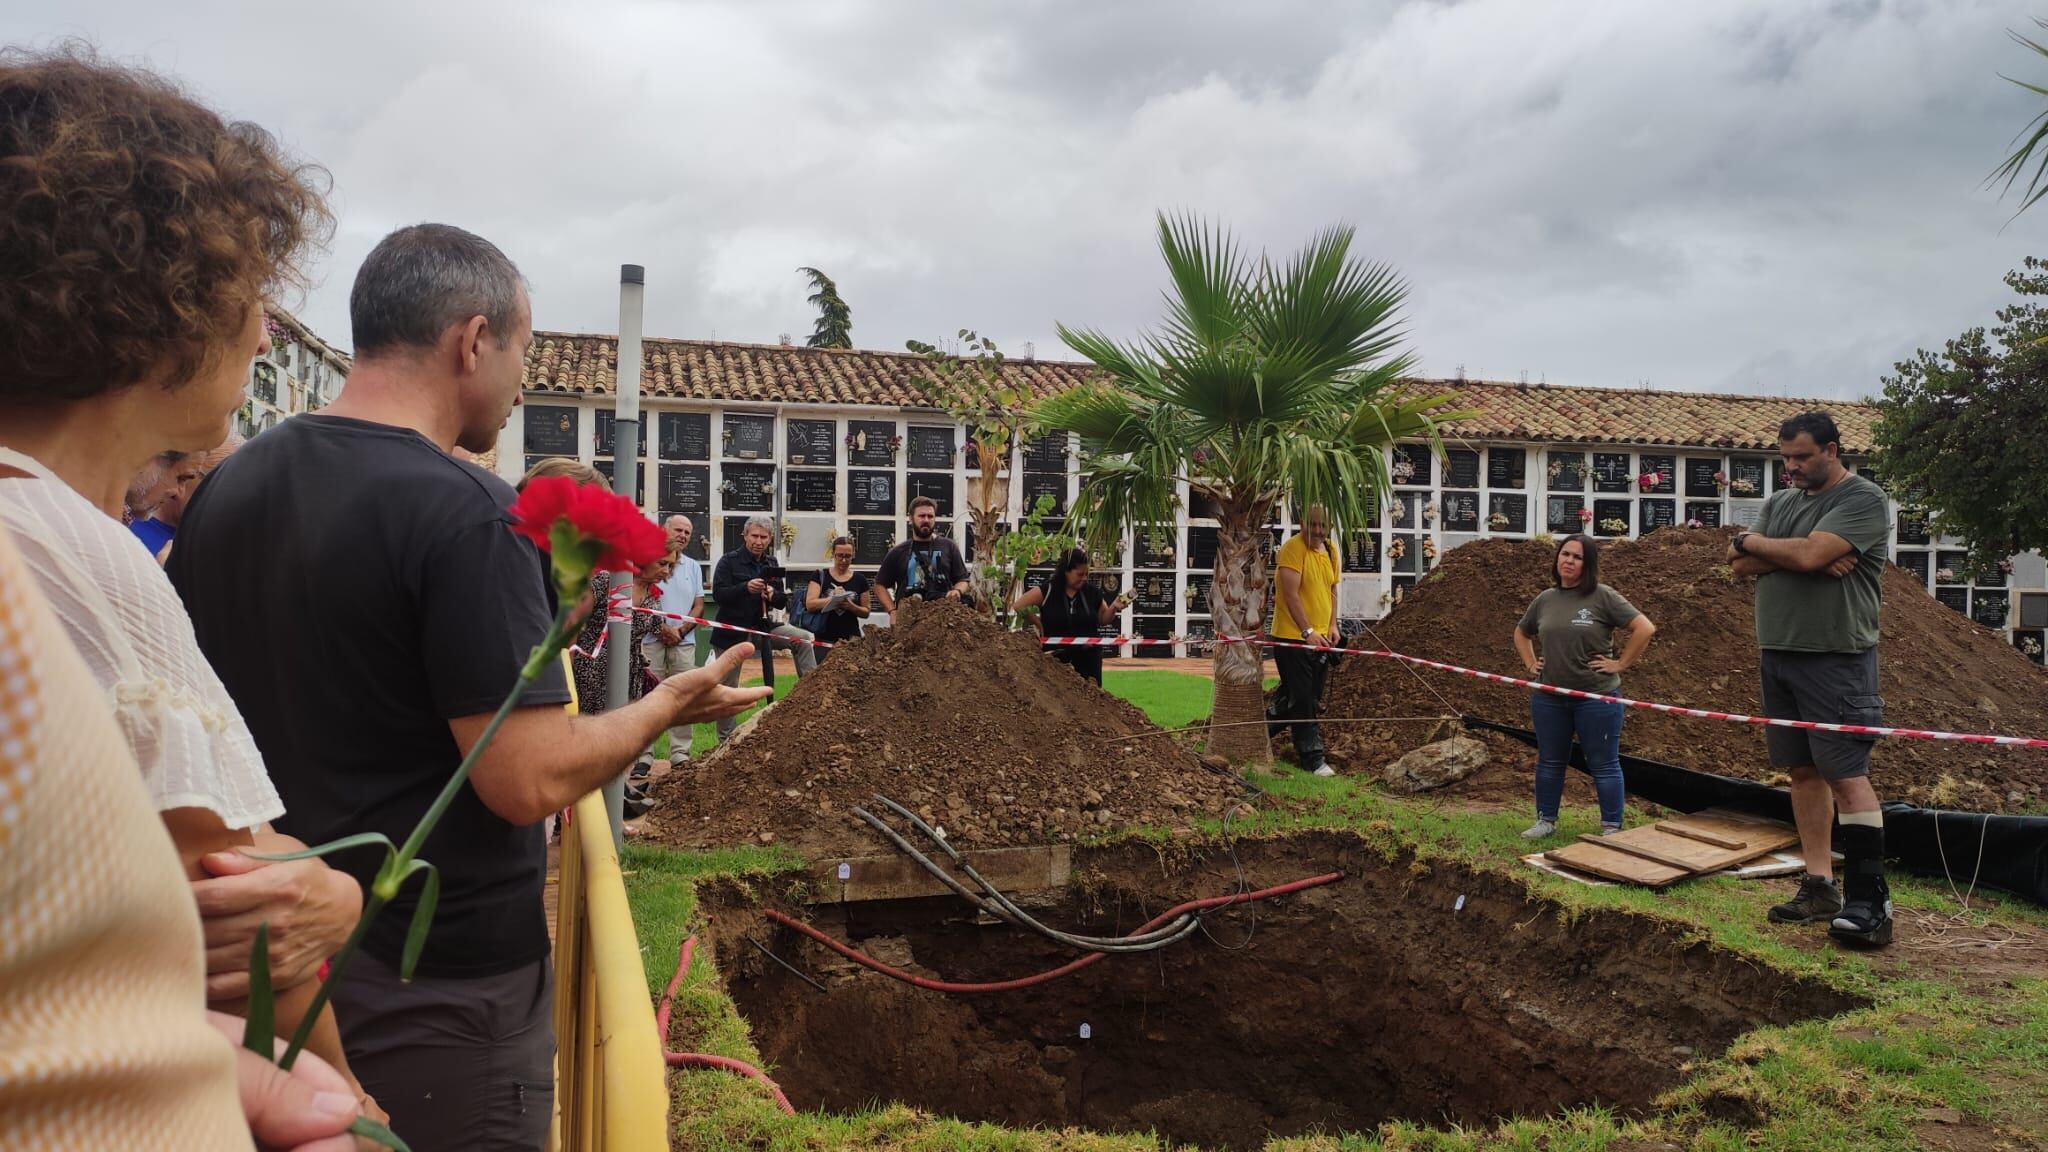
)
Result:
{"points": [[1937, 670], [972, 727]]}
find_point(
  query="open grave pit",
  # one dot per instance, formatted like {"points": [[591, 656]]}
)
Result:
{"points": [[1408, 990]]}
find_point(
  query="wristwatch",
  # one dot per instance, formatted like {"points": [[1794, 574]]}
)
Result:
{"points": [[1741, 549]]}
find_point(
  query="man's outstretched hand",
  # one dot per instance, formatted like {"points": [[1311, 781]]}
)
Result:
{"points": [[700, 696]]}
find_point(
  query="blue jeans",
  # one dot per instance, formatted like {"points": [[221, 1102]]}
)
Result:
{"points": [[1598, 725]]}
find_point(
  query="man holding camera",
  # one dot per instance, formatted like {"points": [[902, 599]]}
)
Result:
{"points": [[925, 567], [746, 585]]}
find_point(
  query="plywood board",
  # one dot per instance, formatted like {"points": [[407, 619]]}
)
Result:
{"points": [[1658, 854], [1615, 865]]}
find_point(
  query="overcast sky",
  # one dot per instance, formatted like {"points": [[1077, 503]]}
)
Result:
{"points": [[1765, 196]]}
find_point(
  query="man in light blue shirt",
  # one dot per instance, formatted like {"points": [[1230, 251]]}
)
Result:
{"points": [[673, 646]]}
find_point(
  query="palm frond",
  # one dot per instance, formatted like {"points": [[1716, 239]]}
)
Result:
{"points": [[1206, 305], [2035, 132]]}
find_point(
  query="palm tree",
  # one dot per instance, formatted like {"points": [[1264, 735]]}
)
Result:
{"points": [[1269, 382], [835, 319], [2036, 134]]}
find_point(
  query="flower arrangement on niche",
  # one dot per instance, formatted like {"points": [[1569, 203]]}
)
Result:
{"points": [[1695, 523], [1497, 521], [1428, 548], [1649, 480], [1398, 548], [1614, 527], [1743, 486], [1404, 471], [1944, 575], [1429, 513], [1720, 481], [1585, 515], [2030, 646]]}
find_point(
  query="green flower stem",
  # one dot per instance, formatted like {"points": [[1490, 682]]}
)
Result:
{"points": [[385, 887]]}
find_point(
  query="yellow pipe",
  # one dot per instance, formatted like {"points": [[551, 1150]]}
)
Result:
{"points": [[611, 1081], [633, 1085]]}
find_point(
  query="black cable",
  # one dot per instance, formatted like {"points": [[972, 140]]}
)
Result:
{"points": [[794, 970], [1156, 938], [1002, 907]]}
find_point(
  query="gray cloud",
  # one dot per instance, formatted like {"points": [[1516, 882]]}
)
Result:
{"points": [[1741, 196]]}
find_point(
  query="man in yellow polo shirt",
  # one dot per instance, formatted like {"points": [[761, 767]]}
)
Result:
{"points": [[1306, 611]]}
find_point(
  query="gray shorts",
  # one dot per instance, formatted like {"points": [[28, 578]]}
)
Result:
{"points": [[462, 1065], [1828, 688]]}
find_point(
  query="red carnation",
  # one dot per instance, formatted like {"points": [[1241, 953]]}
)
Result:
{"points": [[585, 529]]}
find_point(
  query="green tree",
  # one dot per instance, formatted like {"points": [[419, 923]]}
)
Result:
{"points": [[1268, 382], [835, 319], [977, 391], [1959, 430]]}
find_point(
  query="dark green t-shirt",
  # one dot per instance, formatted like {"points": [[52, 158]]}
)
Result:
{"points": [[1571, 629], [1813, 611]]}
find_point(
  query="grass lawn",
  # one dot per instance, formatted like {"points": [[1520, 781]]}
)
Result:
{"points": [[1937, 1060], [1171, 699]]}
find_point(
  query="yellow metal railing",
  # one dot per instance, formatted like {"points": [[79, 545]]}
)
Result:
{"points": [[611, 1084]]}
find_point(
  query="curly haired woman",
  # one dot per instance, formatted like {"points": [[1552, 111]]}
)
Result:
{"points": [[141, 234]]}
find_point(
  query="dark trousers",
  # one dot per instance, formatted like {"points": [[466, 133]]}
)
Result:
{"points": [[1086, 662], [1300, 700], [458, 1063]]}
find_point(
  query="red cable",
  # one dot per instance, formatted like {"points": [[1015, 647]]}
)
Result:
{"points": [[865, 960], [705, 1059]]}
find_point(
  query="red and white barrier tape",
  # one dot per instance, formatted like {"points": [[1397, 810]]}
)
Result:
{"points": [[678, 616], [1493, 677], [615, 613], [1673, 709]]}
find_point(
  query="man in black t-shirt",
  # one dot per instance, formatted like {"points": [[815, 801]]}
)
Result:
{"points": [[394, 613], [925, 567]]}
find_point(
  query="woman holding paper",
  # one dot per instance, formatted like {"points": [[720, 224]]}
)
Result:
{"points": [[837, 598]]}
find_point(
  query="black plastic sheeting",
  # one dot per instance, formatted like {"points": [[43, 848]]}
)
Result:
{"points": [[2009, 853]]}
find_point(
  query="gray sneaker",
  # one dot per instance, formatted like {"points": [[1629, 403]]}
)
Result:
{"points": [[1817, 899], [1540, 830]]}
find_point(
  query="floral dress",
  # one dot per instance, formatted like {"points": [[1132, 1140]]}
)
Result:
{"points": [[593, 679]]}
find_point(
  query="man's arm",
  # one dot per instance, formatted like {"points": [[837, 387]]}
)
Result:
{"points": [[728, 590], [1809, 553], [543, 759], [1748, 565]]}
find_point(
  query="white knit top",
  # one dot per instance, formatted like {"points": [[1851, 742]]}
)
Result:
{"points": [[126, 620]]}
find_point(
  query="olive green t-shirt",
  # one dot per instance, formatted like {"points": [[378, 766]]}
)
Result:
{"points": [[1571, 629], [1813, 611]]}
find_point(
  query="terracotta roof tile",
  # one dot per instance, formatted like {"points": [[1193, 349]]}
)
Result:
{"points": [[761, 373], [709, 370], [1562, 414]]}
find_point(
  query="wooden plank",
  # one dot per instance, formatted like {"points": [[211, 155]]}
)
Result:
{"points": [[1704, 836], [1608, 864], [1621, 843], [1017, 871]]}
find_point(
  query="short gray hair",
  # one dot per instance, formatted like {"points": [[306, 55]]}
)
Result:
{"points": [[759, 520], [420, 280]]}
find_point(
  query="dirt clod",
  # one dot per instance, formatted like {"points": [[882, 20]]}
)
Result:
{"points": [[956, 719]]}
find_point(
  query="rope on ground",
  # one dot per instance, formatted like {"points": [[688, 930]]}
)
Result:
{"points": [[1983, 834], [1411, 671]]}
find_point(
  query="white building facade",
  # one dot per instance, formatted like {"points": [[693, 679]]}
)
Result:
{"points": [[302, 373], [833, 442]]}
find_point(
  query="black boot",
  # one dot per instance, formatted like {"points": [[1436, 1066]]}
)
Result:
{"points": [[1866, 917]]}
